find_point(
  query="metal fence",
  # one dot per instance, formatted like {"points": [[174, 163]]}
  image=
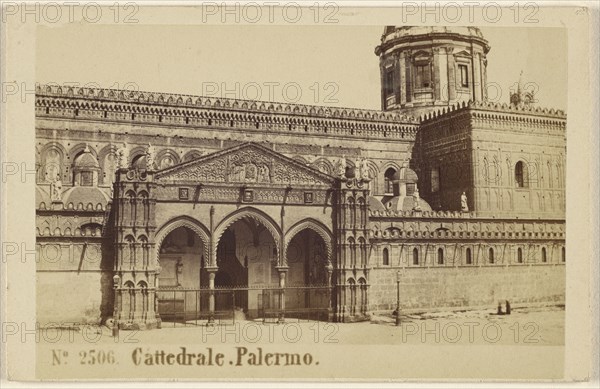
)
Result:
{"points": [[181, 306], [300, 302]]}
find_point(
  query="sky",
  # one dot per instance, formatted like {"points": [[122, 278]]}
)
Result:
{"points": [[321, 65]]}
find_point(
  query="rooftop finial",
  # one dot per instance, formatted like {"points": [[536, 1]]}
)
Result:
{"points": [[521, 97]]}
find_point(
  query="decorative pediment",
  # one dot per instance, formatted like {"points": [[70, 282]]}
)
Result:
{"points": [[249, 163]]}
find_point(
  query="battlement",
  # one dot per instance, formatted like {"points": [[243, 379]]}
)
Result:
{"points": [[445, 215], [491, 110], [188, 110]]}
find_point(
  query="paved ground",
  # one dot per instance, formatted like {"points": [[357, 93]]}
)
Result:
{"points": [[532, 326]]}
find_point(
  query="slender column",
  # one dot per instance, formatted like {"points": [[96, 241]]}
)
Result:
{"points": [[155, 297], [211, 297], [436, 73], [382, 82], [451, 75], [408, 78], [282, 275], [402, 78], [477, 77], [484, 77]]}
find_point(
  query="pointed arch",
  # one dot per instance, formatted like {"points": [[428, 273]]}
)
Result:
{"points": [[253, 213], [317, 227], [187, 222]]}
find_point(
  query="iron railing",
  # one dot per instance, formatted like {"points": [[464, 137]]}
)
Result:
{"points": [[192, 306]]}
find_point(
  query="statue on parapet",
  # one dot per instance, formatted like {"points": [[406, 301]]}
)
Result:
{"points": [[56, 189], [357, 169], [341, 167], [463, 202], [416, 199], [150, 157], [365, 173], [123, 156]]}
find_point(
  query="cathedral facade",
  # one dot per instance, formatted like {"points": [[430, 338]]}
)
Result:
{"points": [[154, 207]]}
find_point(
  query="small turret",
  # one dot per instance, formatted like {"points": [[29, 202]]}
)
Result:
{"points": [[522, 97]]}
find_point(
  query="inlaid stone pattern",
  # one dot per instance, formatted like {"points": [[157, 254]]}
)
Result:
{"points": [[247, 164]]}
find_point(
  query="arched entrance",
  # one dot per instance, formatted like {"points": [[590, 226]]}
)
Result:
{"points": [[308, 293], [246, 258], [183, 273]]}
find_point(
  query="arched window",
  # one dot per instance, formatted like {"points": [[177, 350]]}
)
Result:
{"points": [[352, 248], [386, 257], [362, 248], [521, 175], [564, 256], [469, 259], [423, 75], [85, 169], [544, 258], [352, 301], [389, 184], [491, 255], [520, 255], [415, 256], [440, 256]]}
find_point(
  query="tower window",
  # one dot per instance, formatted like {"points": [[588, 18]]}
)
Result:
{"points": [[519, 255], [440, 256], [389, 81], [415, 256], [544, 257], [386, 257], [491, 255], [469, 259], [564, 257], [521, 175], [423, 76], [86, 178], [464, 75], [389, 184]]}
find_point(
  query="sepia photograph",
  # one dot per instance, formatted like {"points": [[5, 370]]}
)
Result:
{"points": [[235, 200]]}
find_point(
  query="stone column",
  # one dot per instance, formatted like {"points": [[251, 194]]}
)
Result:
{"points": [[382, 83], [156, 286], [282, 275], [402, 78], [436, 74], [408, 78], [451, 75], [211, 297], [484, 75], [329, 271], [477, 87]]}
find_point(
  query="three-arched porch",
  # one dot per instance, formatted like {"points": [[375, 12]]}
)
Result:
{"points": [[248, 267]]}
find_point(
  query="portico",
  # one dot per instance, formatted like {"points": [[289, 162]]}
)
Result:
{"points": [[246, 220]]}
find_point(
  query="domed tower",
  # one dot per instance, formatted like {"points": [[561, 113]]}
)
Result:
{"points": [[427, 67]]}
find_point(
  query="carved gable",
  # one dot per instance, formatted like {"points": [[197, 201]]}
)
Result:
{"points": [[248, 163]]}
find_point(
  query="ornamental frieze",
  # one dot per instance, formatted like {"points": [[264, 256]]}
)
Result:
{"points": [[248, 163]]}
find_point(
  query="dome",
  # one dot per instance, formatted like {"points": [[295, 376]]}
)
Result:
{"points": [[85, 195], [416, 63], [406, 203], [375, 205], [403, 31], [405, 175], [86, 160], [41, 196]]}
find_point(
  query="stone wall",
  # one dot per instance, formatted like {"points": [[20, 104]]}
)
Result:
{"points": [[431, 288]]}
